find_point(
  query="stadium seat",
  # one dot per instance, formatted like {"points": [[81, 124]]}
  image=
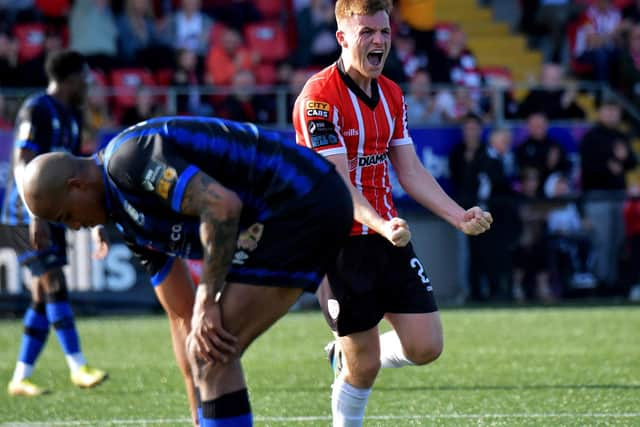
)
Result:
{"points": [[126, 81], [270, 9], [163, 76], [30, 37], [268, 39]]}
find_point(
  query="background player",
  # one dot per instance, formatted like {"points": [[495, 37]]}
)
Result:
{"points": [[356, 117], [266, 216], [47, 122]]}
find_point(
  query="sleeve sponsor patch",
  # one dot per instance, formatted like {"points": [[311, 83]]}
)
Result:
{"points": [[317, 109], [159, 177], [322, 133]]}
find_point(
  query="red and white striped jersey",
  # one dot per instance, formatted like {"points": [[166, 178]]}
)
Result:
{"points": [[332, 115]]}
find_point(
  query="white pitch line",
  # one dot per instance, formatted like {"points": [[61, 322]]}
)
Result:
{"points": [[327, 418]]}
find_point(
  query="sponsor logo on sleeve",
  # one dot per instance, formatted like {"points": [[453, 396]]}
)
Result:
{"points": [[160, 178], [322, 133], [317, 109]]}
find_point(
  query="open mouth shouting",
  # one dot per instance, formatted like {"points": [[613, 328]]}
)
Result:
{"points": [[374, 58]]}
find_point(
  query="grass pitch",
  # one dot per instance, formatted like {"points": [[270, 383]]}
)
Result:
{"points": [[501, 367]]}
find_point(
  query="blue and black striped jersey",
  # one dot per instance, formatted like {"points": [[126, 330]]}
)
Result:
{"points": [[148, 167], [43, 125]]}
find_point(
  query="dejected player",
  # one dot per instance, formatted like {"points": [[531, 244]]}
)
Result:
{"points": [[266, 216]]}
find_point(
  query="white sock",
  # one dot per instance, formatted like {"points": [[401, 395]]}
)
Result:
{"points": [[22, 371], [348, 404], [75, 361], [391, 352]]}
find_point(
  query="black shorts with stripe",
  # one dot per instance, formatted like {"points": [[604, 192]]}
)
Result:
{"points": [[373, 277], [38, 262]]}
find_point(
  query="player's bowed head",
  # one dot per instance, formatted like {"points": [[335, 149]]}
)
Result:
{"points": [[63, 188]]}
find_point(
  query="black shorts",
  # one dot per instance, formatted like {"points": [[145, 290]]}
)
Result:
{"points": [[372, 277], [38, 262], [293, 249]]}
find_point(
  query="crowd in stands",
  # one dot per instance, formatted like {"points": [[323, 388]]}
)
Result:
{"points": [[217, 55]]}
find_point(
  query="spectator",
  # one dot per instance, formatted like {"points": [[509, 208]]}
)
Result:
{"points": [[242, 104], [97, 117], [490, 268], [317, 44], [405, 49], [8, 61], [530, 264], [455, 63], [139, 41], [570, 245], [94, 33], [552, 97], [144, 109], [597, 38], [551, 18], [32, 72], [190, 28], [539, 151], [187, 79], [423, 108], [606, 156], [630, 67], [228, 58]]}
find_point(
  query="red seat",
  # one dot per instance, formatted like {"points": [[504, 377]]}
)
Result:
{"points": [[268, 39], [496, 73], [30, 37], [270, 9], [266, 74], [163, 76], [126, 82]]}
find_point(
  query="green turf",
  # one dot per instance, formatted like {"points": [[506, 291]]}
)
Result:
{"points": [[501, 367]]}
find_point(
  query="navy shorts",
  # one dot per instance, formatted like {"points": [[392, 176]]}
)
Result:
{"points": [[372, 277], [293, 249], [38, 262]]}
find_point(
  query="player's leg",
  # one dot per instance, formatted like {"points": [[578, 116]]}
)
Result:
{"points": [[176, 296], [34, 337], [416, 339], [247, 311], [61, 317]]}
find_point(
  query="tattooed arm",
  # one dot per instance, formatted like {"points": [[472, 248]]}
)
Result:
{"points": [[219, 210]]}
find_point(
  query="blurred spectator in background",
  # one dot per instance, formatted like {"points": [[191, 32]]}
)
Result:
{"points": [[296, 81], [496, 100], [630, 67], [97, 117], [597, 39], [227, 58], [145, 108], [540, 152], [570, 245], [31, 72], [234, 13], [139, 41], [490, 270], [243, 104], [93, 32], [187, 79], [464, 160], [552, 96], [530, 262], [550, 19], [421, 18], [190, 28], [405, 50], [423, 107], [317, 44], [606, 156], [455, 63], [8, 61]]}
